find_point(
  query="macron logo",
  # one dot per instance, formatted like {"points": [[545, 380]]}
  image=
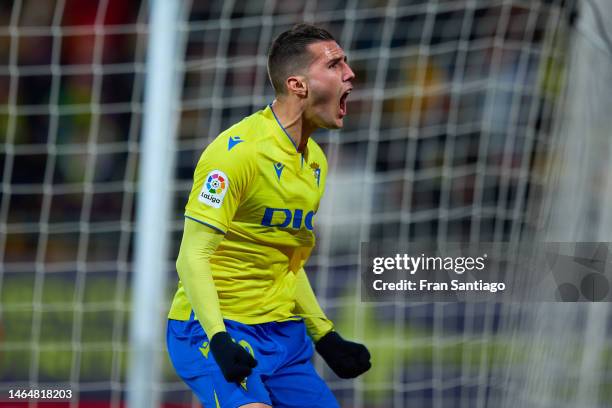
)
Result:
{"points": [[279, 169], [233, 141]]}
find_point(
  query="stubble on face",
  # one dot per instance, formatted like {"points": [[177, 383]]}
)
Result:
{"points": [[327, 88]]}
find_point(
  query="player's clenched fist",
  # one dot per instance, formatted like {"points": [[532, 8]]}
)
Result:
{"points": [[345, 358], [234, 361]]}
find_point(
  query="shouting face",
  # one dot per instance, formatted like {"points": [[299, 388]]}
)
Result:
{"points": [[329, 84]]}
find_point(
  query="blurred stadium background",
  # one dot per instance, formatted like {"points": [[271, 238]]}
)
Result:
{"points": [[471, 120]]}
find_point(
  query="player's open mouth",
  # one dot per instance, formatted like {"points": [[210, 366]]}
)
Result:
{"points": [[343, 101]]}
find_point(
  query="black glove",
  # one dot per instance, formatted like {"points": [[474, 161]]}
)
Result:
{"points": [[345, 358], [234, 361]]}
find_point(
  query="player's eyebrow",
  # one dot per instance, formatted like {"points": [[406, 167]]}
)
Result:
{"points": [[337, 59]]}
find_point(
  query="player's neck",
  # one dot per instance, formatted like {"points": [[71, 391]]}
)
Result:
{"points": [[291, 117]]}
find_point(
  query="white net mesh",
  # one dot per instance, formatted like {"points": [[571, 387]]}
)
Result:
{"points": [[449, 130], [70, 115]]}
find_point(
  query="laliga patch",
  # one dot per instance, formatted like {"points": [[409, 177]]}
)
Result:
{"points": [[214, 189]]}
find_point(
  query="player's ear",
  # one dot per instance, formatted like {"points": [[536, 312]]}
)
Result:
{"points": [[296, 85]]}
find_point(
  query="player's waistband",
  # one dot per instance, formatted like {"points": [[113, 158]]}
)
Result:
{"points": [[287, 319]]}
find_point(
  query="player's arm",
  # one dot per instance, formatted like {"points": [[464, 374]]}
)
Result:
{"points": [[346, 358], [307, 306], [193, 266], [221, 178]]}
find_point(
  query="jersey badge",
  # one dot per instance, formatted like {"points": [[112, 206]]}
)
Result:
{"points": [[317, 171], [278, 167], [214, 189], [233, 141]]}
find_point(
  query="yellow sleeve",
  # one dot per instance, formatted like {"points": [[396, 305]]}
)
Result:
{"points": [[220, 181], [307, 306], [193, 266]]}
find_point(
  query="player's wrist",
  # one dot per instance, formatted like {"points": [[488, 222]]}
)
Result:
{"points": [[329, 339], [220, 338], [212, 331], [318, 330]]}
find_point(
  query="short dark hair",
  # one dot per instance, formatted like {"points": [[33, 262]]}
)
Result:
{"points": [[288, 52]]}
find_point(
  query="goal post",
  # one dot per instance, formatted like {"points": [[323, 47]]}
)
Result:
{"points": [[154, 200]]}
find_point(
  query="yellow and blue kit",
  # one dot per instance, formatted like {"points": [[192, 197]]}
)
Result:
{"points": [[253, 185]]}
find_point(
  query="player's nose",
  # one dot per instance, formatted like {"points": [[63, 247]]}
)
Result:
{"points": [[349, 75]]}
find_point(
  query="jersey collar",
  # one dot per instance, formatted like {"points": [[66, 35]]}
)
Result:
{"points": [[283, 137]]}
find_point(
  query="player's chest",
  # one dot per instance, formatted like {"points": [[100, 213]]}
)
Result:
{"points": [[287, 188], [282, 177]]}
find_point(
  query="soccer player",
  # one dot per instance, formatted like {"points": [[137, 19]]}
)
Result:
{"points": [[244, 317]]}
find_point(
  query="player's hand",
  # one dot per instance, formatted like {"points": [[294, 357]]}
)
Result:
{"points": [[345, 358], [234, 361]]}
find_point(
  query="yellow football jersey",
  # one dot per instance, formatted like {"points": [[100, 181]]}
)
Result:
{"points": [[252, 184]]}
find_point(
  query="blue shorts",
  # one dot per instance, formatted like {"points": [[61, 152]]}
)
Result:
{"points": [[284, 376]]}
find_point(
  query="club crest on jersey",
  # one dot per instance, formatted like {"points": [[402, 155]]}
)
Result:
{"points": [[317, 171], [214, 189]]}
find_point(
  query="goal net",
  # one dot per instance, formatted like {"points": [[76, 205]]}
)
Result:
{"points": [[454, 133]]}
